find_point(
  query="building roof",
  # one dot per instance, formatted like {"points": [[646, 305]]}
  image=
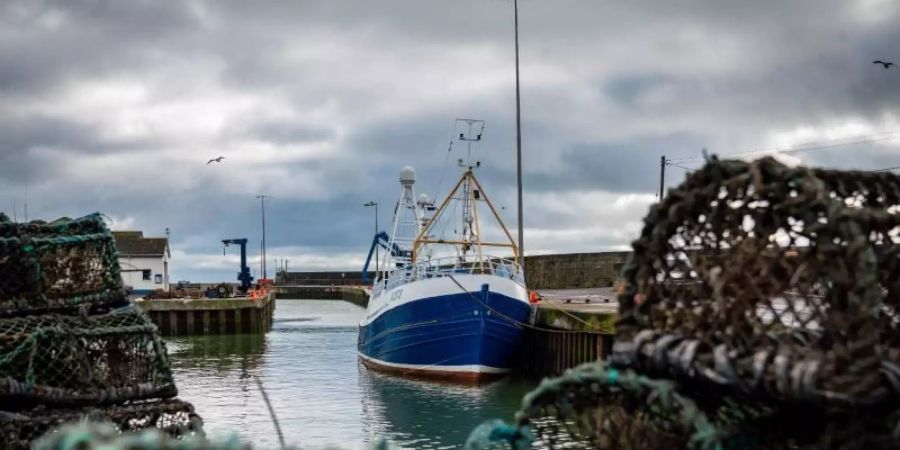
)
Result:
{"points": [[133, 243]]}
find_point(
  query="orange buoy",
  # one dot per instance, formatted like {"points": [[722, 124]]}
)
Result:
{"points": [[533, 297]]}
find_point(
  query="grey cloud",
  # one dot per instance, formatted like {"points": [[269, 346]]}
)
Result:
{"points": [[607, 88], [287, 133], [47, 43], [628, 166]]}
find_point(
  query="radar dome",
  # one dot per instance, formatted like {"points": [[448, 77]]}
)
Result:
{"points": [[407, 175], [423, 199]]}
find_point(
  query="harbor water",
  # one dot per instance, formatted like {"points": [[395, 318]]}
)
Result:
{"points": [[322, 396]]}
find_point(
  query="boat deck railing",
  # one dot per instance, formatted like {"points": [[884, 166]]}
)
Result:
{"points": [[449, 266]]}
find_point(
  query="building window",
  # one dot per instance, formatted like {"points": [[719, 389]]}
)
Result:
{"points": [[146, 273], [158, 278]]}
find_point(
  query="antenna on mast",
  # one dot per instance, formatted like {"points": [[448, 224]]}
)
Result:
{"points": [[469, 131]]}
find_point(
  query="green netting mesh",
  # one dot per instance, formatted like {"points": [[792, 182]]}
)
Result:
{"points": [[72, 346], [72, 360], [58, 266], [759, 311], [171, 418]]}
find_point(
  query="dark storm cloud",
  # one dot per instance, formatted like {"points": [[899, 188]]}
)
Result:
{"points": [[320, 103], [288, 133], [17, 135], [621, 167], [47, 43]]}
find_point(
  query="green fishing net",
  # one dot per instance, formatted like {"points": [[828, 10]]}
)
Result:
{"points": [[72, 346]]}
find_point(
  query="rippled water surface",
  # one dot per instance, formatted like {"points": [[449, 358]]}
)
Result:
{"points": [[321, 394]]}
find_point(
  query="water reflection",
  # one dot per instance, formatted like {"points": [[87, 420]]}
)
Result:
{"points": [[422, 414], [221, 353]]}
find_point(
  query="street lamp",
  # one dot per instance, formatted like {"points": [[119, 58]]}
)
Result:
{"points": [[262, 199], [375, 236], [519, 145]]}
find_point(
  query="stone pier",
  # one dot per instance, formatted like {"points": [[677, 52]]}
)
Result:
{"points": [[185, 317]]}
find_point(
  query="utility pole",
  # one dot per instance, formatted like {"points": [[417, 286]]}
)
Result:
{"points": [[262, 199], [519, 144], [662, 176]]}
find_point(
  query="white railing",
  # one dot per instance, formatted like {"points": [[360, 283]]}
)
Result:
{"points": [[447, 266]]}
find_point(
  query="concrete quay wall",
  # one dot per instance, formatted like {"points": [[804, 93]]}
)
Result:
{"points": [[352, 294], [560, 271], [574, 270], [186, 317]]}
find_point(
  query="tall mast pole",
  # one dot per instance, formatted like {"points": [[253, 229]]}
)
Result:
{"points": [[519, 144], [262, 199]]}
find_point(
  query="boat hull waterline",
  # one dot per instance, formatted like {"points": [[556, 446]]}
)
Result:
{"points": [[437, 328]]}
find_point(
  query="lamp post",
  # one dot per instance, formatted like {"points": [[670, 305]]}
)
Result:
{"points": [[375, 236], [519, 144], [262, 200]]}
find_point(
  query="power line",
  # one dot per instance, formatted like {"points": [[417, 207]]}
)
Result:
{"points": [[855, 140], [689, 169]]}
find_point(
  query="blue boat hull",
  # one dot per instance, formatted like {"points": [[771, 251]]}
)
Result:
{"points": [[469, 336]]}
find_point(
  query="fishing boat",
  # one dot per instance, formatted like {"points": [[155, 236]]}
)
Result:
{"points": [[441, 305]]}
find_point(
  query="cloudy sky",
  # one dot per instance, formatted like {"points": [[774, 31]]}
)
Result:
{"points": [[115, 106]]}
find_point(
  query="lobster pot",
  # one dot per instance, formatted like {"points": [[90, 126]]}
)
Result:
{"points": [[60, 360], [782, 283], [173, 417], [595, 406], [58, 266]]}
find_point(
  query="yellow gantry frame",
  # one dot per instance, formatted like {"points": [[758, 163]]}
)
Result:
{"points": [[421, 238]]}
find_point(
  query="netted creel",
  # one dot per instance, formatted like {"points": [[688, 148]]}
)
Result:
{"points": [[598, 406], [58, 266], [72, 345], [769, 281], [594, 406], [759, 310], [54, 359], [168, 421]]}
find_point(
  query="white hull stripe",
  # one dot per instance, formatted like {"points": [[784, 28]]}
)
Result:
{"points": [[436, 287], [469, 368]]}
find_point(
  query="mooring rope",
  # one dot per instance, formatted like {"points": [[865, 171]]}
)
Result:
{"points": [[504, 316], [262, 390]]}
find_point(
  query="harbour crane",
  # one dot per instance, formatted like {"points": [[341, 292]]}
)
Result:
{"points": [[244, 275], [381, 239]]}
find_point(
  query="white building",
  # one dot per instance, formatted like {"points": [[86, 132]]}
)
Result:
{"points": [[144, 261]]}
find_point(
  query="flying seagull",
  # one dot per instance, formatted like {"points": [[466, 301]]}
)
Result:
{"points": [[219, 159], [886, 64]]}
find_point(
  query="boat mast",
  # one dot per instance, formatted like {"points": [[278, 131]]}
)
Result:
{"points": [[407, 221], [469, 191], [469, 233]]}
